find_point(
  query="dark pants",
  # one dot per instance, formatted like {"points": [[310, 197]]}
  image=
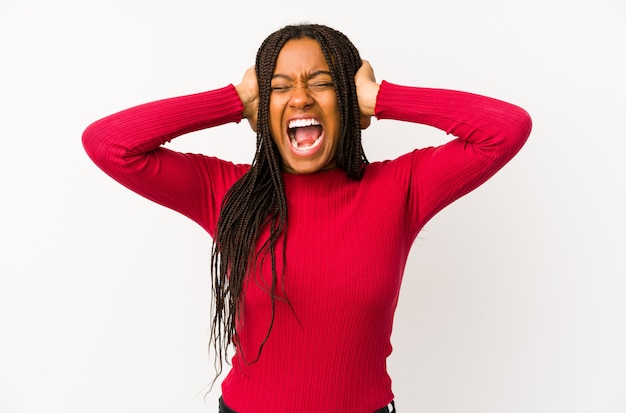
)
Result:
{"points": [[226, 409]]}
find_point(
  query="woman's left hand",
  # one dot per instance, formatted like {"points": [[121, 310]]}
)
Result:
{"points": [[366, 90], [248, 91]]}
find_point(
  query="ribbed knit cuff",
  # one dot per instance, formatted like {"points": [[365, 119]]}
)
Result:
{"points": [[221, 105]]}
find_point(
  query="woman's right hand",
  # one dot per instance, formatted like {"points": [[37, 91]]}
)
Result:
{"points": [[248, 91], [367, 91]]}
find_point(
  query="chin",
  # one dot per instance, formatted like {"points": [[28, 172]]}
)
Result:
{"points": [[301, 169]]}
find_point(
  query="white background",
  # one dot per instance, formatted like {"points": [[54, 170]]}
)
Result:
{"points": [[514, 297]]}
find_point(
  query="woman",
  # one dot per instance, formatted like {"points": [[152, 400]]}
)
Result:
{"points": [[310, 240]]}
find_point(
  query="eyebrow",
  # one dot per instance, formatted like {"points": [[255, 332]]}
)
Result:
{"points": [[312, 75]]}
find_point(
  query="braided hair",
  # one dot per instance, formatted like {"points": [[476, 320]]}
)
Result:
{"points": [[257, 202]]}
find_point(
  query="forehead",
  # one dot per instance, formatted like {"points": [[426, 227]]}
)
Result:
{"points": [[300, 56]]}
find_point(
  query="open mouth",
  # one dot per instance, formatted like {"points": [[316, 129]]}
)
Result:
{"points": [[305, 135]]}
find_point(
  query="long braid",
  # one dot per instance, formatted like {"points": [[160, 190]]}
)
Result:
{"points": [[257, 200]]}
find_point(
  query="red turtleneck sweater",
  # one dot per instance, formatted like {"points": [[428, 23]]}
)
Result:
{"points": [[347, 241]]}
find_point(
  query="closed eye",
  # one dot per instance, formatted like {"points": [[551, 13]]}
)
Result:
{"points": [[280, 88], [320, 86]]}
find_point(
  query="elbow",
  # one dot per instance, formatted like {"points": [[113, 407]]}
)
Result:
{"points": [[526, 124], [92, 142], [98, 146], [88, 140], [520, 127]]}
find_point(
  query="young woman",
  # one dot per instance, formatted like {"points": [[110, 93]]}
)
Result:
{"points": [[310, 239]]}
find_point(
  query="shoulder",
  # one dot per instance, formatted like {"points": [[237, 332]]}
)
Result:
{"points": [[219, 169], [400, 168]]}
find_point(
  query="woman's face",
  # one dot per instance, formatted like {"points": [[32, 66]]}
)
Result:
{"points": [[304, 117]]}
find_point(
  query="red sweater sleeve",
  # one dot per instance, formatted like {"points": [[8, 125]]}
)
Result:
{"points": [[128, 146], [489, 133]]}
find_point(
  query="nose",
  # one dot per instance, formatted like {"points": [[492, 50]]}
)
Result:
{"points": [[300, 97]]}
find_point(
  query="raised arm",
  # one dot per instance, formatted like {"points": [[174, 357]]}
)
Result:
{"points": [[128, 146], [489, 133]]}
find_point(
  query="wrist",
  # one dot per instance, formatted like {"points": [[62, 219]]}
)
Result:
{"points": [[247, 100], [367, 98]]}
